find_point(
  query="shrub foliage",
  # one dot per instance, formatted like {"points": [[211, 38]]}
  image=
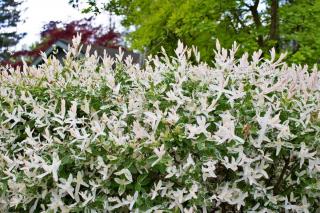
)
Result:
{"points": [[96, 135]]}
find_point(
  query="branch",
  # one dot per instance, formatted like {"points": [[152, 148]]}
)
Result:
{"points": [[256, 3], [247, 5], [232, 24], [257, 21], [236, 15], [274, 25], [276, 188]]}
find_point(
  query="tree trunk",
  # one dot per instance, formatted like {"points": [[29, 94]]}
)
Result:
{"points": [[256, 19], [274, 25]]}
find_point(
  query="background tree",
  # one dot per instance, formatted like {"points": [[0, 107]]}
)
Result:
{"points": [[287, 25], [55, 30], [300, 32], [9, 18]]}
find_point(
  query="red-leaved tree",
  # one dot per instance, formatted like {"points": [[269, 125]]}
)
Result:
{"points": [[56, 30]]}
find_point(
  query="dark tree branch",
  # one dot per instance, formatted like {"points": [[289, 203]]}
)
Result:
{"points": [[256, 3], [256, 19], [237, 16], [274, 25], [247, 5], [232, 24], [276, 188]]}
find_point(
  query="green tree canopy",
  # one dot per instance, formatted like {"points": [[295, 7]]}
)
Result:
{"points": [[9, 18], [287, 25]]}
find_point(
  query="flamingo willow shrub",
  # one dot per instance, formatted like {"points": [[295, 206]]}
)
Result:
{"points": [[178, 135]]}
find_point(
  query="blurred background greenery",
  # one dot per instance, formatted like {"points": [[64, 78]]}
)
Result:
{"points": [[291, 26]]}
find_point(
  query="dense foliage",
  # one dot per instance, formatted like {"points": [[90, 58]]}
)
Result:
{"points": [[287, 25], [9, 18], [241, 135]]}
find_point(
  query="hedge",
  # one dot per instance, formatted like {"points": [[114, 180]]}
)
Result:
{"points": [[177, 135]]}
